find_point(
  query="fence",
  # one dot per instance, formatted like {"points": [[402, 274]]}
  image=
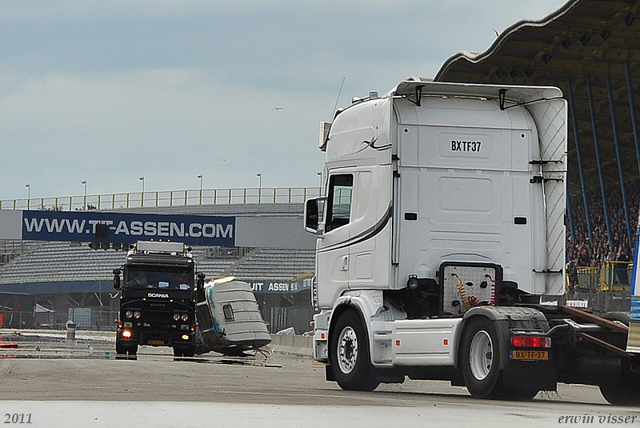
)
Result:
{"points": [[165, 199], [93, 318], [97, 318], [14, 319], [610, 276], [85, 318], [298, 318], [599, 301]]}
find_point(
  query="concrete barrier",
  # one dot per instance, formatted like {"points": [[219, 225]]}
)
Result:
{"points": [[290, 344], [287, 344]]}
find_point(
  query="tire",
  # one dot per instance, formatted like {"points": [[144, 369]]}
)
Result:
{"points": [[625, 392], [183, 352], [122, 349], [622, 317], [517, 395], [349, 354], [480, 359]]}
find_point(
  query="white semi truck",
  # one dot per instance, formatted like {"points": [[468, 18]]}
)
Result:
{"points": [[441, 229]]}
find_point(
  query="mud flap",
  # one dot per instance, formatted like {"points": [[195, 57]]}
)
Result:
{"points": [[529, 375], [328, 372]]}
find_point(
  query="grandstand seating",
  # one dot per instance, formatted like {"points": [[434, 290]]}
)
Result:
{"points": [[12, 249], [60, 261], [276, 264]]}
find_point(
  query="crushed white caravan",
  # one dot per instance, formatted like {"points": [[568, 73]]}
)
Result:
{"points": [[229, 319]]}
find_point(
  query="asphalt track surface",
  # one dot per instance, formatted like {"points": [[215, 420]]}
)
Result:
{"points": [[48, 381]]}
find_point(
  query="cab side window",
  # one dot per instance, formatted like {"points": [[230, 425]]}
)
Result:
{"points": [[339, 199]]}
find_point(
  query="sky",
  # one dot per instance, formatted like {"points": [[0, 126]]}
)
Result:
{"points": [[107, 92]]}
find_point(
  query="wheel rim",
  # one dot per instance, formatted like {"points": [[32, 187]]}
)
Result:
{"points": [[481, 355], [347, 350]]}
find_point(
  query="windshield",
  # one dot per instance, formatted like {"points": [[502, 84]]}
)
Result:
{"points": [[158, 277]]}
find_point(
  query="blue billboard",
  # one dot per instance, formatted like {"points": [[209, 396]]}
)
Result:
{"points": [[93, 226], [270, 286]]}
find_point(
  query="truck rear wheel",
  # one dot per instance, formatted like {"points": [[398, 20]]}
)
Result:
{"points": [[621, 394], [622, 317], [624, 392], [349, 354], [480, 359]]}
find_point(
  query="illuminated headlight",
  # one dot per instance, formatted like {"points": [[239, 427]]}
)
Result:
{"points": [[185, 337], [129, 314], [137, 314], [126, 334], [176, 317], [185, 317]]}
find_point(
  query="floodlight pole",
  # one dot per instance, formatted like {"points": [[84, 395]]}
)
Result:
{"points": [[84, 183], [259, 175], [142, 194]]}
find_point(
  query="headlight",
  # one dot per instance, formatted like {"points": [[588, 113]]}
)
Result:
{"points": [[128, 314], [176, 317], [185, 317], [413, 283], [137, 314]]}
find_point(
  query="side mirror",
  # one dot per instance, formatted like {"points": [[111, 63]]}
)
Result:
{"points": [[200, 281], [311, 216], [116, 279]]}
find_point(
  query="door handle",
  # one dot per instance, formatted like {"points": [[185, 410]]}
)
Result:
{"points": [[345, 263]]}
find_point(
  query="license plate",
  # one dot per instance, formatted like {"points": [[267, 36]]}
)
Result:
{"points": [[156, 342], [529, 355]]}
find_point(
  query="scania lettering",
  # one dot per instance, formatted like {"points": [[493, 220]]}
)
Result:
{"points": [[435, 247]]}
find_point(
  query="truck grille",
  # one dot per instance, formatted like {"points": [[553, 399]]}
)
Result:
{"points": [[156, 318]]}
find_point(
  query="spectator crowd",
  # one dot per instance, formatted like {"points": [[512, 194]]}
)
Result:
{"points": [[580, 251]]}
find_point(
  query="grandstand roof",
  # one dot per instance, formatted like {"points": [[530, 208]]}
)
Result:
{"points": [[583, 41]]}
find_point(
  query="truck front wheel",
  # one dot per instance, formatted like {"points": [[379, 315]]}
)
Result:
{"points": [[122, 349], [480, 359], [183, 352], [349, 354]]}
